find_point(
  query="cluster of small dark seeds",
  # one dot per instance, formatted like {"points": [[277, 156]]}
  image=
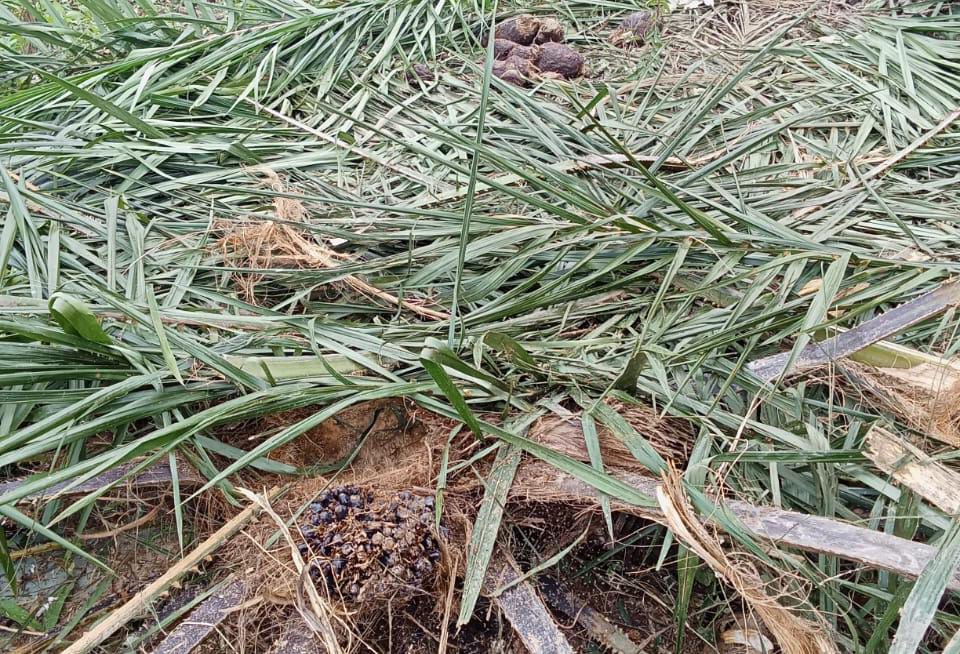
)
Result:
{"points": [[361, 549]]}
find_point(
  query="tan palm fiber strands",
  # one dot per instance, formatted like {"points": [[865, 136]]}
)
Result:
{"points": [[267, 243], [794, 634]]}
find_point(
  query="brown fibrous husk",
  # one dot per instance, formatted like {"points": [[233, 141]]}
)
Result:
{"points": [[389, 434], [672, 438], [264, 243], [776, 598], [926, 396]]}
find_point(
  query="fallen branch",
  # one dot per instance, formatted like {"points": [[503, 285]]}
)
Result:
{"points": [[541, 483], [116, 531], [523, 608], [191, 631], [865, 334], [153, 476], [139, 603]]}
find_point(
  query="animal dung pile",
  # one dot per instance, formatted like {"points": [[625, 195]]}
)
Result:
{"points": [[420, 71], [362, 549], [517, 63], [527, 30], [634, 29], [560, 59], [526, 47]]}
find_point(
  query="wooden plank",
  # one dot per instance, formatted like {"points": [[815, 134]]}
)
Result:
{"points": [[910, 466], [539, 482], [199, 624], [139, 603]]}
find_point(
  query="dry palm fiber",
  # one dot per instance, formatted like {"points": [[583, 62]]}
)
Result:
{"points": [[672, 438], [926, 397], [386, 472], [267, 244], [794, 634]]}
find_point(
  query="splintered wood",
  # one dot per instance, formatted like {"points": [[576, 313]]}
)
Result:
{"points": [[913, 468]]}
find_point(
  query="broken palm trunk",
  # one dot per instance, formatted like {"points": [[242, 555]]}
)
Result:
{"points": [[541, 483]]}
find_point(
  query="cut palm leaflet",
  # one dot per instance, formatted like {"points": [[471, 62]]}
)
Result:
{"points": [[237, 209]]}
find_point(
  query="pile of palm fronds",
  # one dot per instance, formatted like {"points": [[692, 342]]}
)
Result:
{"points": [[217, 212]]}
